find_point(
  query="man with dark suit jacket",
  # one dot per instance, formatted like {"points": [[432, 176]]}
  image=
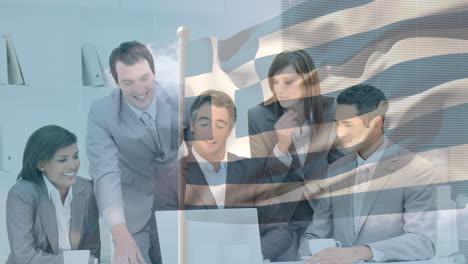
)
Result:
{"points": [[216, 178], [379, 199], [132, 136]]}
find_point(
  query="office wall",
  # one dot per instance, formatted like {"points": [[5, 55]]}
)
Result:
{"points": [[48, 36]]}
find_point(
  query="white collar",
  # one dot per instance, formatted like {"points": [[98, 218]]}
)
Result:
{"points": [[204, 163], [375, 157], [151, 110], [51, 190]]}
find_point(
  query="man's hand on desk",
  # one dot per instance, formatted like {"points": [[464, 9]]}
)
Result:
{"points": [[341, 255], [126, 250]]}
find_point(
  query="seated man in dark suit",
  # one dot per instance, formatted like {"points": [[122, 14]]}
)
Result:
{"points": [[378, 200], [216, 179]]}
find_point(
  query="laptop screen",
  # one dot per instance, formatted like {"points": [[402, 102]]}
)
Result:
{"points": [[213, 236]]}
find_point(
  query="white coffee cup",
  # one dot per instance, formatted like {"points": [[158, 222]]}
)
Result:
{"points": [[317, 245]]}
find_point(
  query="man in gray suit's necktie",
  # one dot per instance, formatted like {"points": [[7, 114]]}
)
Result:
{"points": [[131, 139]]}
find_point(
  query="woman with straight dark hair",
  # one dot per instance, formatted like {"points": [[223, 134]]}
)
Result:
{"points": [[50, 209], [292, 132]]}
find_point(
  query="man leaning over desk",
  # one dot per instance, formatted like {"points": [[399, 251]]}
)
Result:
{"points": [[132, 136]]}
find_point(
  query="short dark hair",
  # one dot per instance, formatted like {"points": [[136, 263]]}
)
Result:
{"points": [[42, 146], [129, 53], [367, 99], [217, 98]]}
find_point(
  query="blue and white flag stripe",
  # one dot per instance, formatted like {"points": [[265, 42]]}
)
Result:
{"points": [[415, 51], [243, 46]]}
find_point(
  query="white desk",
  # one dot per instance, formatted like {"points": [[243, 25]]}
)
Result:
{"points": [[445, 260]]}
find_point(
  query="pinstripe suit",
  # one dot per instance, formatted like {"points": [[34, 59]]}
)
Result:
{"points": [[246, 187]]}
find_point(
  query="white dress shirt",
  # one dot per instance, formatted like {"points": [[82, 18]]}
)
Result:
{"points": [[62, 214], [115, 215], [216, 180], [151, 110], [364, 173]]}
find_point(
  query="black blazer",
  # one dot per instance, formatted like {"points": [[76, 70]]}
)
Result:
{"points": [[263, 139]]}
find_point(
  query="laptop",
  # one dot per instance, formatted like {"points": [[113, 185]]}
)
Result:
{"points": [[213, 236]]}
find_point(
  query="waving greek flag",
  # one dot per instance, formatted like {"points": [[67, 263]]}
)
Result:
{"points": [[415, 51]]}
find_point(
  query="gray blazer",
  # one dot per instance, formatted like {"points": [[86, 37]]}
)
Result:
{"points": [[398, 215], [123, 161], [32, 225]]}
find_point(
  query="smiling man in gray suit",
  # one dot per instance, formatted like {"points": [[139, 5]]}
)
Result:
{"points": [[379, 200], [132, 136]]}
